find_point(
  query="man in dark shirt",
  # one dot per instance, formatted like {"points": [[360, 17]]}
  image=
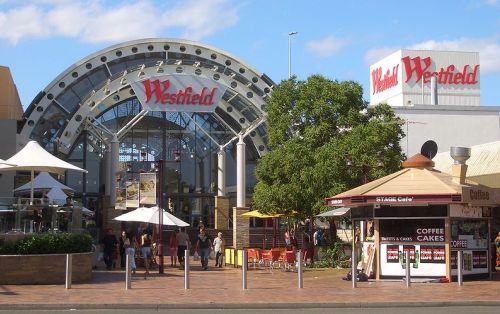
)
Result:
{"points": [[109, 242]]}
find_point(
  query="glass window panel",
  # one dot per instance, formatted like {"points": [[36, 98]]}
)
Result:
{"points": [[98, 77], [69, 100], [82, 87], [47, 127], [74, 179]]}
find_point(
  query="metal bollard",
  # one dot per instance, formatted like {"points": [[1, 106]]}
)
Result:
{"points": [[408, 278], [186, 269], [128, 277], [460, 268], [354, 270], [244, 267], [299, 270], [69, 270]]}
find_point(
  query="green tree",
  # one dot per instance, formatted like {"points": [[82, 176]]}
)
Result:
{"points": [[314, 126]]}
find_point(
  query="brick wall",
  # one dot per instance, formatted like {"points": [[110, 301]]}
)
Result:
{"points": [[44, 269]]}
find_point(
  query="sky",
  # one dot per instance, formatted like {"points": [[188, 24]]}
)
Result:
{"points": [[39, 39]]}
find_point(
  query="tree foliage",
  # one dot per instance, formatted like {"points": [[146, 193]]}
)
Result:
{"points": [[314, 126]]}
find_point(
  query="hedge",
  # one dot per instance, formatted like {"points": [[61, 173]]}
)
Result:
{"points": [[49, 244]]}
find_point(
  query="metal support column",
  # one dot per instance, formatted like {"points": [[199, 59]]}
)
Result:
{"points": [[113, 167], [240, 173], [221, 172]]}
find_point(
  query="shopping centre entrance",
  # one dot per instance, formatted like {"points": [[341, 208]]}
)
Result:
{"points": [[162, 121]]}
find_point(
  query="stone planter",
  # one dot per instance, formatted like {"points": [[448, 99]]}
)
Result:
{"points": [[44, 269]]}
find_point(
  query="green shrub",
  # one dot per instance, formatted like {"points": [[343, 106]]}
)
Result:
{"points": [[333, 256], [49, 244]]}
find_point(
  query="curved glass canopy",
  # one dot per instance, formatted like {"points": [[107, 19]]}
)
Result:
{"points": [[78, 113]]}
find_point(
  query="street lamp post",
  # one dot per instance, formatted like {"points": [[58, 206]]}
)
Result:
{"points": [[290, 53]]}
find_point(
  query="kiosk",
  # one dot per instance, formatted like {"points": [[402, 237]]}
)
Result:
{"points": [[429, 213]]}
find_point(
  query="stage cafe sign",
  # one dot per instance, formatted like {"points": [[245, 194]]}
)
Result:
{"points": [[178, 93], [420, 68], [378, 199]]}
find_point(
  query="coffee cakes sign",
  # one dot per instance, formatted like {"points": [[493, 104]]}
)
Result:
{"points": [[179, 93]]}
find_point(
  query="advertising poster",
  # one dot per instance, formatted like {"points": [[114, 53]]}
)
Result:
{"points": [[132, 190], [148, 188], [120, 199], [393, 254], [425, 260], [474, 262]]}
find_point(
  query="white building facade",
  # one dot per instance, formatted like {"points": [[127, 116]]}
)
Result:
{"points": [[437, 95]]}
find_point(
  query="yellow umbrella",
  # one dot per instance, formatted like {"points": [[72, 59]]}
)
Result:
{"points": [[256, 214]]}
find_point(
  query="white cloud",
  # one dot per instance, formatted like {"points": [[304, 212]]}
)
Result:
{"points": [[376, 54], [489, 50], [92, 21], [491, 2], [327, 46]]}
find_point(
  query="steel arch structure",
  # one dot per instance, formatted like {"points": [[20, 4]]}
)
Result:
{"points": [[74, 100]]}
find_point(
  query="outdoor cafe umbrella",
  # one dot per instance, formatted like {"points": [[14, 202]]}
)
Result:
{"points": [[57, 196], [33, 157], [3, 162], [151, 215], [256, 214]]}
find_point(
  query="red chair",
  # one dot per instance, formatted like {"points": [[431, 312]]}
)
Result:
{"points": [[253, 256], [289, 260], [266, 258], [275, 258]]}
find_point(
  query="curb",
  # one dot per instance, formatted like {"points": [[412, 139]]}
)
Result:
{"points": [[221, 306]]}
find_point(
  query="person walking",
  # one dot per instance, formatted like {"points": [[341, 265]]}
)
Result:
{"points": [[182, 245], [287, 238], [173, 248], [109, 242], [129, 244], [122, 239], [219, 249], [146, 249], [203, 246]]}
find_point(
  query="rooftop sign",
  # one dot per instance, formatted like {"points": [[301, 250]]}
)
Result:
{"points": [[403, 78]]}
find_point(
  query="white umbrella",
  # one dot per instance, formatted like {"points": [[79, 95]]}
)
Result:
{"points": [[44, 181], [57, 196], [151, 215], [4, 163], [33, 157]]}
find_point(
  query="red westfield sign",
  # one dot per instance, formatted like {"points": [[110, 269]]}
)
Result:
{"points": [[388, 80], [179, 93], [446, 75], [420, 68], [161, 93]]}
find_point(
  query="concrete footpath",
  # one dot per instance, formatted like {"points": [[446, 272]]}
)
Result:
{"points": [[222, 288]]}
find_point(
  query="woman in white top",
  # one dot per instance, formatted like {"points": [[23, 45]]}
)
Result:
{"points": [[219, 248]]}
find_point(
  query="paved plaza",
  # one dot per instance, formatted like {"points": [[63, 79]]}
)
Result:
{"points": [[222, 288]]}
